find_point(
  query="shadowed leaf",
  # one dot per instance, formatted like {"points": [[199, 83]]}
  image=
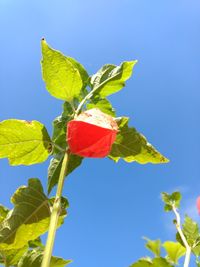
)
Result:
{"points": [[12, 256], [131, 146], [170, 200], [60, 126], [29, 218], [55, 167], [33, 258]]}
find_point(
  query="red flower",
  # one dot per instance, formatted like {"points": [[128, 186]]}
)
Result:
{"points": [[91, 134], [198, 204]]}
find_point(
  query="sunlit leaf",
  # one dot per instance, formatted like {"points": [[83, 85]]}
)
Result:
{"points": [[103, 104], [63, 76], [29, 218], [111, 78], [153, 246], [24, 142], [131, 146], [174, 251]]}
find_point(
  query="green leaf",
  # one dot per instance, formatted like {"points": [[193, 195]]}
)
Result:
{"points": [[29, 218], [156, 262], [12, 256], [133, 146], [111, 78], [24, 142], [170, 200], [63, 76], [191, 232], [142, 263], [83, 73], [196, 249], [55, 167], [36, 243], [153, 246], [197, 263], [3, 212], [103, 104], [174, 251], [33, 258], [60, 126]]}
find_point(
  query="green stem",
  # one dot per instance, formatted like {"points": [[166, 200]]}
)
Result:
{"points": [[87, 97], [55, 215]]}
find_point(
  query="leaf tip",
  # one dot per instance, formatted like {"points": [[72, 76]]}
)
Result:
{"points": [[43, 40]]}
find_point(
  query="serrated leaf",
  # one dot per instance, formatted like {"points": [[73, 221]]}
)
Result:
{"points": [[196, 250], [33, 258], [61, 74], [153, 246], [24, 142], [29, 218], [55, 167], [111, 78], [131, 146], [191, 231], [170, 200], [103, 104], [12, 256], [174, 251]]}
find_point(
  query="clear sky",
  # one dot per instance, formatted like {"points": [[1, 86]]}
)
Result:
{"points": [[111, 205]]}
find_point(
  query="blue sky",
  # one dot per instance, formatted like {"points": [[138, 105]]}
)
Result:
{"points": [[111, 205]]}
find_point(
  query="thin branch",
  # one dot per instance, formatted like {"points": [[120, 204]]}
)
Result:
{"points": [[55, 214], [178, 227]]}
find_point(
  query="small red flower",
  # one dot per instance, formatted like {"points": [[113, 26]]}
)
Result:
{"points": [[91, 134], [198, 204]]}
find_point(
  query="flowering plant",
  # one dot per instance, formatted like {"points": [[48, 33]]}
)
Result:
{"points": [[87, 127]]}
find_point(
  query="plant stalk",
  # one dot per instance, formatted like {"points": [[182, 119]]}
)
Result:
{"points": [[55, 214], [188, 248], [187, 257], [87, 97]]}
